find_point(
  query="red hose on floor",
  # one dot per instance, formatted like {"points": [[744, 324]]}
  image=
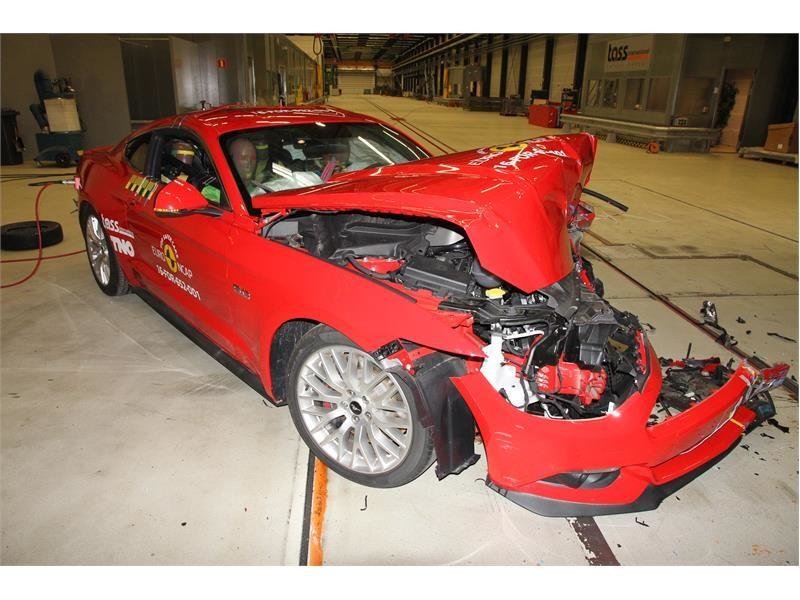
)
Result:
{"points": [[39, 257], [16, 260]]}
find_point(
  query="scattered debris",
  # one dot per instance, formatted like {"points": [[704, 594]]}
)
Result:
{"points": [[688, 381], [756, 474], [711, 318], [774, 423], [183, 524], [365, 504], [749, 331], [762, 458], [767, 435], [740, 320], [245, 509], [745, 446], [709, 312], [649, 327], [642, 523], [783, 337], [619, 545], [678, 498]]}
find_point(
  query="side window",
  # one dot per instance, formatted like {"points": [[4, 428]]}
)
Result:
{"points": [[136, 152], [182, 158], [658, 93]]}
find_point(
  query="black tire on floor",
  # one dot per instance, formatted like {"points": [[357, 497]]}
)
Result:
{"points": [[117, 282], [23, 235], [420, 455], [63, 159]]}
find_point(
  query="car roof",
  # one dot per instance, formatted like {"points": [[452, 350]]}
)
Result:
{"points": [[222, 120]]}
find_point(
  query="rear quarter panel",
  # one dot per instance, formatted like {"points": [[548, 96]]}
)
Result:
{"points": [[103, 175]]}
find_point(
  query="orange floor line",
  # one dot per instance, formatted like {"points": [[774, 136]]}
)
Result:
{"points": [[319, 501]]}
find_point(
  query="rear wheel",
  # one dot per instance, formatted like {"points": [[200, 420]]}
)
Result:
{"points": [[105, 266], [356, 417]]}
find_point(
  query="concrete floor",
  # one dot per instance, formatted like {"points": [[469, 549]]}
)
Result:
{"points": [[121, 442]]}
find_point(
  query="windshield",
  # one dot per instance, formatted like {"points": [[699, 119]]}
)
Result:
{"points": [[296, 156]]}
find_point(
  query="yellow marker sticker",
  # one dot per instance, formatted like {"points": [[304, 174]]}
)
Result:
{"points": [[170, 258], [141, 186], [495, 293], [152, 190], [147, 190], [519, 146]]}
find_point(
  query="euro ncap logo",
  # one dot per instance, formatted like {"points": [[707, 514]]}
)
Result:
{"points": [[518, 147], [169, 254], [170, 258]]}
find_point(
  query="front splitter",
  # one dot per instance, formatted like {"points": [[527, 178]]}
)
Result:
{"points": [[650, 499]]}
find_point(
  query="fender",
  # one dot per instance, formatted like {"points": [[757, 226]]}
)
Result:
{"points": [[367, 311]]}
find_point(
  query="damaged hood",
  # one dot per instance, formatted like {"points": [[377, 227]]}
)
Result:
{"points": [[513, 201]]}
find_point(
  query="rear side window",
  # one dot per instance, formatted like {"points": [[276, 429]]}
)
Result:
{"points": [[136, 153]]}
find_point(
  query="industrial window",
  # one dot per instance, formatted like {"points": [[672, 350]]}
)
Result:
{"points": [[136, 152], [695, 96], [658, 93], [634, 92], [609, 96], [593, 93]]}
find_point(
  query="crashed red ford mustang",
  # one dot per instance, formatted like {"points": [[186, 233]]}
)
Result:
{"points": [[398, 302]]}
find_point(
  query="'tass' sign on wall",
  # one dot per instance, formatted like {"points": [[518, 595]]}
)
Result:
{"points": [[629, 54]]}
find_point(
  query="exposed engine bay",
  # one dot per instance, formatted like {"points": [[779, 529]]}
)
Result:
{"points": [[561, 352]]}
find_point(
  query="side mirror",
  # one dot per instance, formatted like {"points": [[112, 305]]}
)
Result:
{"points": [[179, 198]]}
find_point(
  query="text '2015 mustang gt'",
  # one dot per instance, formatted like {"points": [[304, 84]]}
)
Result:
{"points": [[399, 302]]}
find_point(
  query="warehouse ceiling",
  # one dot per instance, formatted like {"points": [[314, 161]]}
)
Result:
{"points": [[369, 46]]}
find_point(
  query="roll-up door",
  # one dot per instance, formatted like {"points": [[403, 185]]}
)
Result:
{"points": [[355, 82]]}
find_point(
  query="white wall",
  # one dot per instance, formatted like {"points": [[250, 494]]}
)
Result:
{"points": [[512, 70], [494, 85], [564, 54], [535, 69]]}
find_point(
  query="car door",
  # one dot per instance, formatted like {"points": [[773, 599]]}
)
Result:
{"points": [[183, 259], [126, 190]]}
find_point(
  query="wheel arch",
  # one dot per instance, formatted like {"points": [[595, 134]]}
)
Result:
{"points": [[83, 210], [281, 346], [442, 409]]}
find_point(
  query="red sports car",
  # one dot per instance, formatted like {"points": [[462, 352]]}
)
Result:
{"points": [[399, 302]]}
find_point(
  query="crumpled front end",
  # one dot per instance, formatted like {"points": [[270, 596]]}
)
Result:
{"points": [[595, 427], [568, 395]]}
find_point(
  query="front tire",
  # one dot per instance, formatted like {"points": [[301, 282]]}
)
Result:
{"points": [[102, 260], [356, 417]]}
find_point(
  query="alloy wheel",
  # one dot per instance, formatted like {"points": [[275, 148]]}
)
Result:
{"points": [[97, 248], [354, 409]]}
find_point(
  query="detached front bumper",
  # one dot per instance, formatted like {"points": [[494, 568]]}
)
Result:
{"points": [[616, 463]]}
